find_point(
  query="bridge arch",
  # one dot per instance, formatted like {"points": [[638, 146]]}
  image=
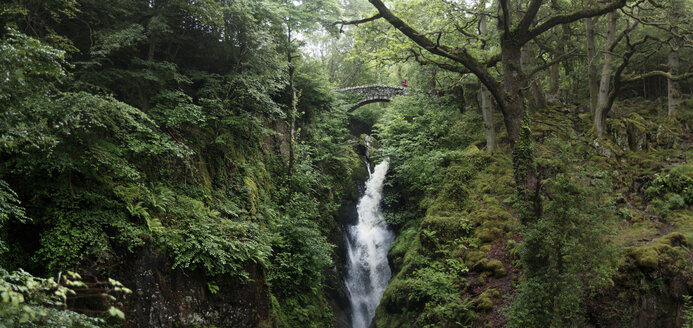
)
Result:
{"points": [[373, 93]]}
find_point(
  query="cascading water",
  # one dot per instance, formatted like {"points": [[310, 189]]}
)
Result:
{"points": [[368, 242]]}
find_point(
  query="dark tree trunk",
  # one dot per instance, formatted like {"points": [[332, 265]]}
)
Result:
{"points": [[294, 103], [515, 85], [554, 77], [485, 101], [593, 81], [537, 99], [603, 104]]}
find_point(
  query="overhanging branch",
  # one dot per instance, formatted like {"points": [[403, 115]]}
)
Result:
{"points": [[569, 18], [558, 59], [668, 75], [419, 57], [459, 55], [341, 23]]}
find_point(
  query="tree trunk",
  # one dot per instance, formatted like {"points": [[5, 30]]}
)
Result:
{"points": [[486, 104], [567, 64], [517, 123], [593, 82], [605, 83], [294, 102], [487, 113], [554, 77], [432, 81], [674, 93], [537, 99], [555, 72], [515, 84]]}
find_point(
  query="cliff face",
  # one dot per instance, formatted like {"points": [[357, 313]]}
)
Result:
{"points": [[165, 297]]}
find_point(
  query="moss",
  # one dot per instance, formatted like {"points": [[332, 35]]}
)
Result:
{"points": [[402, 245], [645, 257], [442, 228], [473, 257], [480, 265], [483, 302], [665, 251], [675, 239], [488, 234], [414, 259], [513, 253], [683, 220], [398, 296], [496, 267]]}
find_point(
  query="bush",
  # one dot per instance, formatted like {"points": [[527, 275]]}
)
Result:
{"points": [[563, 254], [679, 180], [29, 301]]}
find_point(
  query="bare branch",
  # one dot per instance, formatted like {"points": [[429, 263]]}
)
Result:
{"points": [[617, 80], [668, 75], [569, 18], [419, 57], [558, 59], [341, 23], [528, 18], [619, 37], [663, 26]]}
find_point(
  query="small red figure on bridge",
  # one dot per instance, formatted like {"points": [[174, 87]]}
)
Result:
{"points": [[405, 84]]}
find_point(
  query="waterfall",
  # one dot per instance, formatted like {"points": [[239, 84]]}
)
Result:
{"points": [[368, 242]]}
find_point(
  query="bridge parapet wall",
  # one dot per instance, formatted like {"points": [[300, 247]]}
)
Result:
{"points": [[374, 93]]}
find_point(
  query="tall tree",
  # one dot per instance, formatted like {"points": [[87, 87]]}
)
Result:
{"points": [[485, 103], [301, 17], [673, 89], [592, 80], [660, 28], [510, 94], [605, 82]]}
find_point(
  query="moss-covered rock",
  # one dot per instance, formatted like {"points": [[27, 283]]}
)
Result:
{"points": [[484, 302], [644, 257], [442, 228], [496, 267], [664, 251]]}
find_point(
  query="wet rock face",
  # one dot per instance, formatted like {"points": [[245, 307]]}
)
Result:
{"points": [[169, 298]]}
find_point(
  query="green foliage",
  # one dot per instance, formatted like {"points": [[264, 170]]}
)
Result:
{"points": [[687, 312], [30, 69], [301, 253], [166, 134], [29, 301], [564, 255], [28, 66], [433, 292], [10, 208], [677, 185], [109, 41], [419, 136], [201, 238], [525, 170], [296, 275]]}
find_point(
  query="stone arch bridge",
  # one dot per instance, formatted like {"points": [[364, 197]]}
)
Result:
{"points": [[373, 93]]}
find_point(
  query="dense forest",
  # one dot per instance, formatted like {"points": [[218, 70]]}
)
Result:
{"points": [[346, 163]]}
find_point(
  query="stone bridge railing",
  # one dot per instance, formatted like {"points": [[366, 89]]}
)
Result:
{"points": [[374, 93]]}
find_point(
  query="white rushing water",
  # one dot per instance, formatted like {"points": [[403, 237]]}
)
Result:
{"points": [[368, 272]]}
